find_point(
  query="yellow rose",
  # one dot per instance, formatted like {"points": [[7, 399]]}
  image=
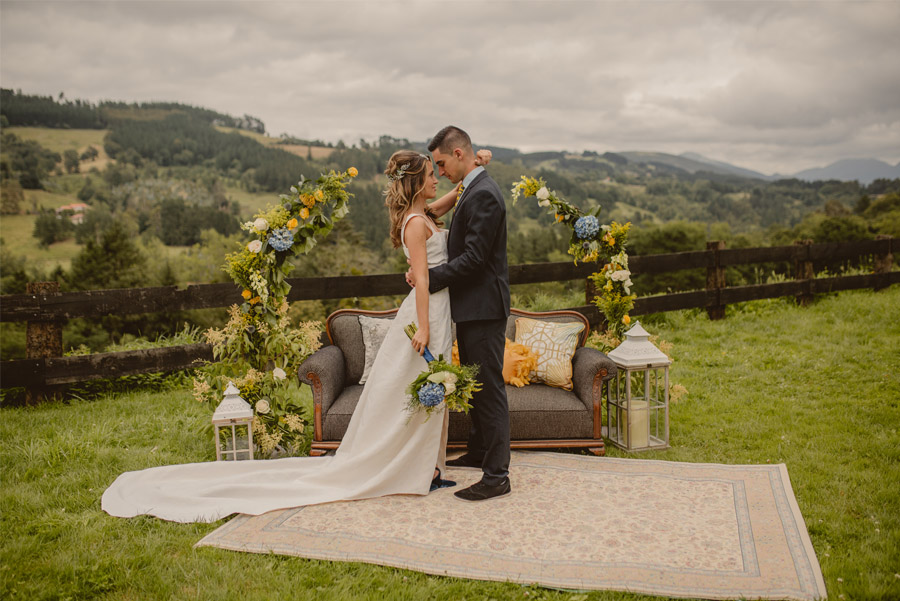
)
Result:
{"points": [[246, 294], [626, 320], [308, 200], [352, 172], [292, 223], [320, 196], [254, 300], [304, 213]]}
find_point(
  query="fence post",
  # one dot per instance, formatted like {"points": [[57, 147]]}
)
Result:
{"points": [[43, 339], [715, 280], [803, 270], [884, 261], [590, 291]]}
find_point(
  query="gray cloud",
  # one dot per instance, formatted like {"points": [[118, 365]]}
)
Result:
{"points": [[769, 86]]}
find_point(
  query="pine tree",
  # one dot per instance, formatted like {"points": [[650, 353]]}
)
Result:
{"points": [[114, 261]]}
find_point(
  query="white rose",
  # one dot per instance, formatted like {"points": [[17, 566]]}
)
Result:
{"points": [[262, 406], [543, 194], [278, 374], [255, 246], [543, 203], [443, 377], [627, 286], [449, 388], [620, 276], [261, 224]]}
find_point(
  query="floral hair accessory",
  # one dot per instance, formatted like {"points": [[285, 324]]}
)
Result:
{"points": [[398, 175]]}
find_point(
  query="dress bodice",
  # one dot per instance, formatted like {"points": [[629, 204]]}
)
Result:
{"points": [[435, 246]]}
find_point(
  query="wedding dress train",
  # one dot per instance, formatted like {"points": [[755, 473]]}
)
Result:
{"points": [[383, 452]]}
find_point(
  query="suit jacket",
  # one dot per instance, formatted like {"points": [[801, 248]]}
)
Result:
{"points": [[476, 271]]}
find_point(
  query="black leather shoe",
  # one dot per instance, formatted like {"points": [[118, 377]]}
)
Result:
{"points": [[482, 492], [439, 482], [464, 461]]}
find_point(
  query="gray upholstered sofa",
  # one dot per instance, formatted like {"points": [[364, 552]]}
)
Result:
{"points": [[540, 416]]}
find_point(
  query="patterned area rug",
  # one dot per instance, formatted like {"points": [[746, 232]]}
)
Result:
{"points": [[575, 522]]}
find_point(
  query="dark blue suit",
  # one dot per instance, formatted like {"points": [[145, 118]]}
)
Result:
{"points": [[478, 277]]}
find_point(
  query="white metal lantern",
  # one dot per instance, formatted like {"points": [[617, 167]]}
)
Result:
{"points": [[637, 404], [235, 413]]}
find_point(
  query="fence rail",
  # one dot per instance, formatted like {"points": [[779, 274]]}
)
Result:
{"points": [[45, 310]]}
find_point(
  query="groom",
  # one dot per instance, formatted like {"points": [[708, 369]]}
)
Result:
{"points": [[477, 275]]}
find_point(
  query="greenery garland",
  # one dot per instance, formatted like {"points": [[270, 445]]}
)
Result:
{"points": [[258, 348], [591, 242]]}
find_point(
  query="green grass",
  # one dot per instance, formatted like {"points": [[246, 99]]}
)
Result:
{"points": [[816, 388], [16, 231], [251, 202], [60, 140]]}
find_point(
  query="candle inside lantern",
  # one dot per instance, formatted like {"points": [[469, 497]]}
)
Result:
{"points": [[634, 422]]}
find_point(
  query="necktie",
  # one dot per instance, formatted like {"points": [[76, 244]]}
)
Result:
{"points": [[459, 194]]}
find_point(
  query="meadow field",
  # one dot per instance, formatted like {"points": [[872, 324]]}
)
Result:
{"points": [[815, 388]]}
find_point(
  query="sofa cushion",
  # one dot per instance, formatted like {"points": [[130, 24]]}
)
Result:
{"points": [[374, 330], [535, 412], [554, 343], [336, 421]]}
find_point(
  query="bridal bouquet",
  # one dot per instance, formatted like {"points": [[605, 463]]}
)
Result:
{"points": [[442, 382]]}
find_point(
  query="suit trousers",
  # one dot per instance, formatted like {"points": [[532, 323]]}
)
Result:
{"points": [[482, 342]]}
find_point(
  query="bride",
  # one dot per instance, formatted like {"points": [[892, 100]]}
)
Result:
{"points": [[384, 452]]}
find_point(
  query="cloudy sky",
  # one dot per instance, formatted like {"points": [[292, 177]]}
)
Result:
{"points": [[771, 86]]}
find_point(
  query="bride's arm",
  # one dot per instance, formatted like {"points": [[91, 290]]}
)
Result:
{"points": [[442, 205], [416, 234]]}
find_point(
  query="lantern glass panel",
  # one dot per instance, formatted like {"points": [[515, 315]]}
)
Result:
{"points": [[235, 442], [638, 409]]}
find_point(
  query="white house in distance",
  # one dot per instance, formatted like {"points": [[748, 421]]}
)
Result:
{"points": [[75, 210]]}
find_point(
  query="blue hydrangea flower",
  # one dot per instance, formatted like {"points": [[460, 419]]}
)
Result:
{"points": [[431, 394], [281, 239], [587, 227]]}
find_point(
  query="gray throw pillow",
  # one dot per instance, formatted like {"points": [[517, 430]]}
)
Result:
{"points": [[374, 329]]}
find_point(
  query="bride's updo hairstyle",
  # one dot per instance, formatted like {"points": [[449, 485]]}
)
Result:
{"points": [[406, 172]]}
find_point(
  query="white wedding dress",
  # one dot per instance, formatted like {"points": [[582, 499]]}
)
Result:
{"points": [[383, 452]]}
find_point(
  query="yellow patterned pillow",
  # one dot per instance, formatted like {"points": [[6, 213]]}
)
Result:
{"points": [[555, 344]]}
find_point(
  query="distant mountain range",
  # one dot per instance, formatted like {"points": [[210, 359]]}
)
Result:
{"points": [[863, 170]]}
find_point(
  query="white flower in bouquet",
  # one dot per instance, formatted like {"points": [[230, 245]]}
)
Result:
{"points": [[543, 196], [620, 275], [255, 246], [262, 406], [261, 224], [278, 374], [446, 378]]}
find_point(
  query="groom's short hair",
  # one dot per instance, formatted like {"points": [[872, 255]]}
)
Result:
{"points": [[449, 138]]}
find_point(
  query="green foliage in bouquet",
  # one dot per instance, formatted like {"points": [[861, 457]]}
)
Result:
{"points": [[443, 383], [591, 242], [258, 348]]}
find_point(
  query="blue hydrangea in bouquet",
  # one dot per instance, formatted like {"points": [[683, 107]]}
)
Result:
{"points": [[442, 383]]}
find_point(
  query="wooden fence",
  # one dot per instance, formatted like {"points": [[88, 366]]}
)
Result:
{"points": [[44, 308]]}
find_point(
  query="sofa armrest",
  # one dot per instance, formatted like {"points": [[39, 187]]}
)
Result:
{"points": [[325, 373], [590, 368]]}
